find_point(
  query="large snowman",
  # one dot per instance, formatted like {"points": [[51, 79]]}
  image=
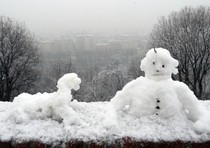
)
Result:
{"points": [[156, 93]]}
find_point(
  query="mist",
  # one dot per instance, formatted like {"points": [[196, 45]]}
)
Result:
{"points": [[44, 17]]}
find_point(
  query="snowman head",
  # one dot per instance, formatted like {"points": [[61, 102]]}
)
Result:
{"points": [[69, 81], [159, 64]]}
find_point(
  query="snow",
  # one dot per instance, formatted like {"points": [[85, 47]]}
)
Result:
{"points": [[98, 122], [55, 117]]}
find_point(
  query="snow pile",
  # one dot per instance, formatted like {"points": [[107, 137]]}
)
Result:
{"points": [[150, 108]]}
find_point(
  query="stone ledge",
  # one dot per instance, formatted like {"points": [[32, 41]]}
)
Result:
{"points": [[121, 143]]}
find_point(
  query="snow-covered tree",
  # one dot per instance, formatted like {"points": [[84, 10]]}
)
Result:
{"points": [[186, 34], [109, 81]]}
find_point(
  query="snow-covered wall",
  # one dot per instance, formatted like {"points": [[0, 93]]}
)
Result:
{"points": [[54, 117], [96, 121]]}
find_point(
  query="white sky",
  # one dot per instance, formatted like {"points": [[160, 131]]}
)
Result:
{"points": [[63, 16]]}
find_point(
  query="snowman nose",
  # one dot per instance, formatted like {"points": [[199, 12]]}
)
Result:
{"points": [[157, 71]]}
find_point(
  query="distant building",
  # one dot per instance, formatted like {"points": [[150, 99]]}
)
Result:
{"points": [[44, 46], [119, 42], [56, 48], [115, 44], [85, 42], [64, 45], [102, 46]]}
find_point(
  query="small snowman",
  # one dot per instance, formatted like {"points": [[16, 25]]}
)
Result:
{"points": [[157, 94]]}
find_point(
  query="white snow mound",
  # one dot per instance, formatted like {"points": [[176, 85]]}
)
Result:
{"points": [[47, 105]]}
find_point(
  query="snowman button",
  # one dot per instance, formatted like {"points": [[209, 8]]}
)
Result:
{"points": [[158, 101], [156, 114], [157, 107]]}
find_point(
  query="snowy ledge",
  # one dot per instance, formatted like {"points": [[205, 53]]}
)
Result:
{"points": [[95, 123], [54, 119]]}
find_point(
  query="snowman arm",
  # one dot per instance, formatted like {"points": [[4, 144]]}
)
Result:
{"points": [[190, 102], [120, 100]]}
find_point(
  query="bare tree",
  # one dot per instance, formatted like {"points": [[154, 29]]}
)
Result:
{"points": [[18, 56], [187, 35]]}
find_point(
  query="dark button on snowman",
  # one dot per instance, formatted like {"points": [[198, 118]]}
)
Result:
{"points": [[156, 93], [158, 107]]}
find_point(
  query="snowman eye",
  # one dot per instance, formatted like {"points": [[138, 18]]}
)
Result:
{"points": [[163, 66], [153, 63]]}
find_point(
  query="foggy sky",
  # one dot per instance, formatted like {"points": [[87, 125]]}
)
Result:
{"points": [[64, 16]]}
